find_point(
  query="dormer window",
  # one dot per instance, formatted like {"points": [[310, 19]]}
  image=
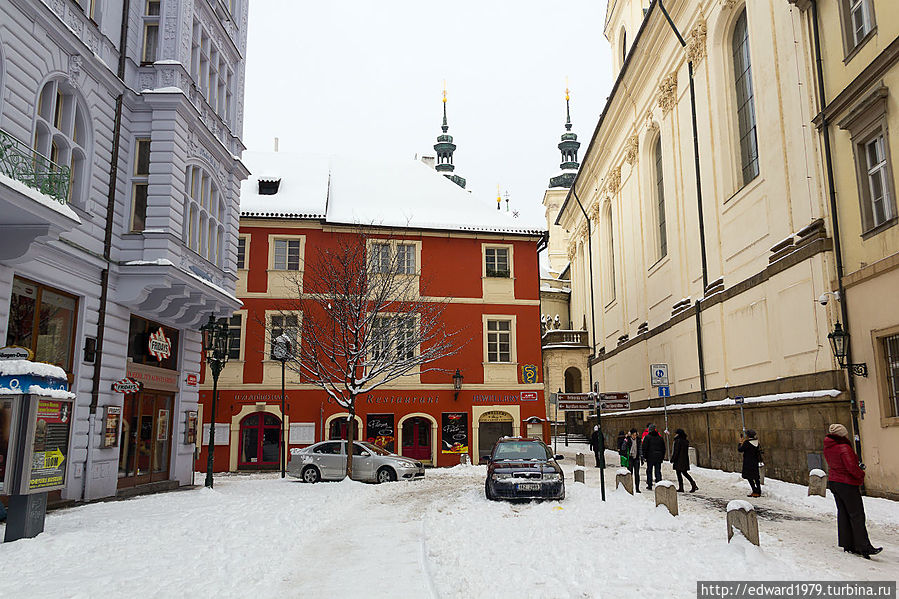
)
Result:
{"points": [[269, 187]]}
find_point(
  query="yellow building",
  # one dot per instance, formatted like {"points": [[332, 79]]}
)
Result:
{"points": [[709, 250], [857, 106]]}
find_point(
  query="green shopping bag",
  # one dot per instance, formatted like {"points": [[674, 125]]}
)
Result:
{"points": [[624, 461]]}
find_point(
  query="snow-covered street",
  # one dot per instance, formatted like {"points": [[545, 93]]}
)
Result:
{"points": [[260, 536]]}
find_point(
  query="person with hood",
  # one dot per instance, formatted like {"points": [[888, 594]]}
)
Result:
{"points": [[595, 443], [645, 431], [680, 460], [752, 454], [633, 449], [844, 478], [654, 454]]}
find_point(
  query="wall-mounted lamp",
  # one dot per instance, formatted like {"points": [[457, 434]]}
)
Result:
{"points": [[839, 344], [457, 384]]}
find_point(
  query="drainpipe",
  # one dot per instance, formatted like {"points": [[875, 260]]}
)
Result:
{"points": [[107, 247], [837, 250]]}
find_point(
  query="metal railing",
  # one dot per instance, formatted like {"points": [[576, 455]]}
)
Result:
{"points": [[23, 164], [560, 337]]}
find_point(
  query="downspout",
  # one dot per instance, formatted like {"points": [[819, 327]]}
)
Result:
{"points": [[107, 246], [837, 250]]}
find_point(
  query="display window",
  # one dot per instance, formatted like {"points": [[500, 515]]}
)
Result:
{"points": [[43, 320]]}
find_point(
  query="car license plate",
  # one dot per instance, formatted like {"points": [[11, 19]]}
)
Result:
{"points": [[528, 487]]}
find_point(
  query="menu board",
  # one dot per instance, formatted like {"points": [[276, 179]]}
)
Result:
{"points": [[454, 430], [7, 443], [379, 430], [111, 426], [48, 445]]}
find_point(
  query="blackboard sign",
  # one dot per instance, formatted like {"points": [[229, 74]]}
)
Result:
{"points": [[454, 432], [380, 431]]}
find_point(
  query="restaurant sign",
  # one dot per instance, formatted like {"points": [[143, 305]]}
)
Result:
{"points": [[159, 346]]}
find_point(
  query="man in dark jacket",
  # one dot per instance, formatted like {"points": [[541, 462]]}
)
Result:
{"points": [[596, 444], [633, 449], [752, 454], [653, 453], [680, 460]]}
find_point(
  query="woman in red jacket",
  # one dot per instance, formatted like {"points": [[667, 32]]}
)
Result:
{"points": [[846, 475]]}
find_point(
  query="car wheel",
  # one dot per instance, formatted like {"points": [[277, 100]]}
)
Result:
{"points": [[311, 474], [386, 475], [488, 493], [562, 496]]}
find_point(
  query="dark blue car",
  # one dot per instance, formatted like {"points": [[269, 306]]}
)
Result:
{"points": [[523, 468]]}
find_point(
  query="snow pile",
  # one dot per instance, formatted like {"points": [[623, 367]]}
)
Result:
{"points": [[23, 367], [799, 395], [817, 472], [738, 504]]}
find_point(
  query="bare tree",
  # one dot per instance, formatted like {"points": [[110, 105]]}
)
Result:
{"points": [[366, 319]]}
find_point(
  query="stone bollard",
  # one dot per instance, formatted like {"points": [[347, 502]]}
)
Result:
{"points": [[741, 515], [817, 483], [761, 473], [464, 459], [579, 460], [691, 454], [625, 478], [580, 474], [666, 495]]}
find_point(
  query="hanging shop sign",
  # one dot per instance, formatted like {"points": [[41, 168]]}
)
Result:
{"points": [[111, 426], [379, 430], [159, 346], [190, 427], [14, 352], [192, 380], [529, 373], [126, 385], [46, 446], [454, 432]]}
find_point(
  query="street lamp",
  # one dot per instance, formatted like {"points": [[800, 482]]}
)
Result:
{"points": [[215, 348], [457, 383], [839, 345], [282, 348]]}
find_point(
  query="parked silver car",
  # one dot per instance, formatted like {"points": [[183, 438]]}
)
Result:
{"points": [[327, 461]]}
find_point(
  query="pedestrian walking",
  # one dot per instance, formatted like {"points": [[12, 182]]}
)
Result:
{"points": [[845, 477], [595, 443], [752, 453], [633, 448], [680, 460], [654, 454], [645, 431]]}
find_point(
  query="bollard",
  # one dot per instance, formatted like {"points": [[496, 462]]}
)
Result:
{"points": [[741, 515], [464, 459], [666, 495], [580, 474], [691, 454], [817, 483], [579, 460], [625, 478], [761, 473]]}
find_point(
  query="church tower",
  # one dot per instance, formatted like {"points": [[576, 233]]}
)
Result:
{"points": [[445, 148], [569, 147]]}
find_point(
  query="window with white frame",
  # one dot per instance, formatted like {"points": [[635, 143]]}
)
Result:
{"points": [[234, 330], [204, 210], [140, 184], [878, 173], [405, 258], [499, 341], [241, 253], [212, 73], [380, 258], [286, 254], [62, 129], [151, 31], [393, 335], [284, 324], [860, 20], [497, 262]]}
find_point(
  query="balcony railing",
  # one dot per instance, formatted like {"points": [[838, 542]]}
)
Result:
{"points": [[565, 338], [23, 164]]}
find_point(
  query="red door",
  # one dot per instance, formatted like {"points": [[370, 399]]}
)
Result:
{"points": [[417, 439], [260, 441]]}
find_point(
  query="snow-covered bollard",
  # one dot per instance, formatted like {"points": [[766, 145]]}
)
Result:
{"points": [[741, 515], [761, 473], [579, 460], [625, 478], [817, 483], [691, 454], [464, 459], [666, 495], [580, 475]]}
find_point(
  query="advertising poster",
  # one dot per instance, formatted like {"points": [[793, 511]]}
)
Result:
{"points": [[379, 430], [50, 445], [454, 429], [162, 426], [111, 426], [191, 429]]}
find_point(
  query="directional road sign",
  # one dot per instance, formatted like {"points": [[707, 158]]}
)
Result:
{"points": [[614, 401], [665, 391]]}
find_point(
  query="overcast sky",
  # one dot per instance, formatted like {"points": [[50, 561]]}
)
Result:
{"points": [[356, 77]]}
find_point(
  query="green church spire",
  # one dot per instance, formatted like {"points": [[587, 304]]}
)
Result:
{"points": [[445, 148], [569, 147]]}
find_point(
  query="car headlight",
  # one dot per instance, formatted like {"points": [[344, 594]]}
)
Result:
{"points": [[502, 476], [407, 464], [555, 476]]}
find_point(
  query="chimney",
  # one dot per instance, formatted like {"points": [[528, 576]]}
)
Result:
{"points": [[276, 144]]}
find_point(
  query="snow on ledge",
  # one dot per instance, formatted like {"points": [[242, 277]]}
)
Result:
{"points": [[738, 504], [817, 472], [730, 402], [20, 367], [664, 483], [54, 393], [39, 197]]}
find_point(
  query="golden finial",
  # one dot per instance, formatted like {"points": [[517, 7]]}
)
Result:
{"points": [[566, 88], [444, 91]]}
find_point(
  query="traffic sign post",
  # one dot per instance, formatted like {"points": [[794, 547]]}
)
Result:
{"points": [[597, 405]]}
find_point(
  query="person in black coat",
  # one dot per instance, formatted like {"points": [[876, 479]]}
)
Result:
{"points": [[680, 460], [752, 455], [654, 454], [596, 444], [633, 449]]}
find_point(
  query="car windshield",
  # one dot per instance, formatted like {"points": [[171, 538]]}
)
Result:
{"points": [[521, 450], [374, 448]]}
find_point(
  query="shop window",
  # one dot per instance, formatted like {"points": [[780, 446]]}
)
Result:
{"points": [[496, 262], [499, 341], [43, 320]]}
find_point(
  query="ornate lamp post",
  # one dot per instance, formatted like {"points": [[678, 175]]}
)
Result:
{"points": [[282, 348], [215, 347], [839, 344], [457, 383]]}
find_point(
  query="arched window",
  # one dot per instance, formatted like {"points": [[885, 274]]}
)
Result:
{"points": [[62, 131], [623, 46], [608, 257], [660, 200], [572, 380], [749, 150], [204, 209]]}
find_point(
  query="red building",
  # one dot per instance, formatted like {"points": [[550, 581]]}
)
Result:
{"points": [[482, 258]]}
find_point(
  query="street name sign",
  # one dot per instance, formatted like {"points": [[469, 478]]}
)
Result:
{"points": [[614, 401], [575, 401]]}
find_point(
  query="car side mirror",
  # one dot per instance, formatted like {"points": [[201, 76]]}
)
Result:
{"points": [[559, 457], [486, 458], [364, 454]]}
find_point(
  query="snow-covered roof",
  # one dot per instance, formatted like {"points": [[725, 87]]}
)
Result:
{"points": [[379, 192]]}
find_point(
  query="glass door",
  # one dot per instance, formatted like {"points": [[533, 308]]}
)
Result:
{"points": [[145, 444], [162, 427]]}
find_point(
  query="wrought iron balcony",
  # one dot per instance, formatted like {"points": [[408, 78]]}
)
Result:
{"points": [[562, 338], [20, 162]]}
